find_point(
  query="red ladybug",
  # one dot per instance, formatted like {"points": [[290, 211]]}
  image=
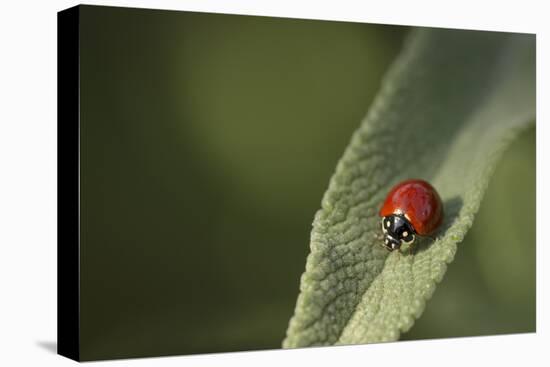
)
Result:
{"points": [[412, 207]]}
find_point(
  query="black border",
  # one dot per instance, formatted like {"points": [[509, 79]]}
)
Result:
{"points": [[68, 184]]}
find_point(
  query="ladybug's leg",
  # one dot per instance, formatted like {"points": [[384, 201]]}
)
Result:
{"points": [[379, 236]]}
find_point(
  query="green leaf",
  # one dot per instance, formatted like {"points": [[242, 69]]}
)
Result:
{"points": [[447, 109]]}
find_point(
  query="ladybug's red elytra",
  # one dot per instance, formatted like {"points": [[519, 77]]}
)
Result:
{"points": [[412, 207]]}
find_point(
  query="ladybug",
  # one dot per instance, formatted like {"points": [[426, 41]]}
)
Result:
{"points": [[412, 207]]}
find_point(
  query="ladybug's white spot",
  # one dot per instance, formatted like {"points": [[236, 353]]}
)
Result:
{"points": [[388, 223], [405, 234]]}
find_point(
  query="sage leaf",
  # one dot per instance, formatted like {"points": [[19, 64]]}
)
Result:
{"points": [[448, 107]]}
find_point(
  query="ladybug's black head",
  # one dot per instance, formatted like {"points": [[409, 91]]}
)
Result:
{"points": [[397, 230]]}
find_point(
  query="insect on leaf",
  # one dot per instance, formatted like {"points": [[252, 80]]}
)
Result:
{"points": [[447, 109]]}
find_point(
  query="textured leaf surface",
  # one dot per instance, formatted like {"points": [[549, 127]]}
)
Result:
{"points": [[447, 109]]}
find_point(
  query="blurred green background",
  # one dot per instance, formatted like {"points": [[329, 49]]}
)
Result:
{"points": [[207, 141]]}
